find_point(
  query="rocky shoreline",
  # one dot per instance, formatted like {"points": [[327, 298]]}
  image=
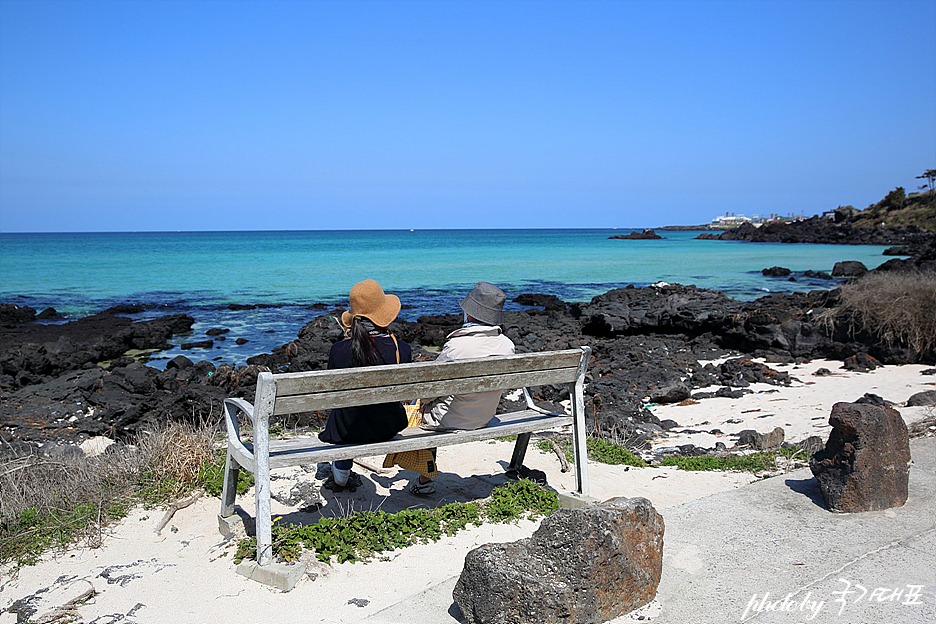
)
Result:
{"points": [[61, 384], [906, 241]]}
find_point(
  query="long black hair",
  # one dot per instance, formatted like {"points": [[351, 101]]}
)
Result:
{"points": [[363, 350]]}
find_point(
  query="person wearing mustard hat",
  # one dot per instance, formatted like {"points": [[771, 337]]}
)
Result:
{"points": [[369, 343]]}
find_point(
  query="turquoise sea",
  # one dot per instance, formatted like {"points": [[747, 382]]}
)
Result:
{"points": [[201, 273]]}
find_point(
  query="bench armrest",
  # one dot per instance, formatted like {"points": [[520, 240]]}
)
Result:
{"points": [[231, 408], [536, 408]]}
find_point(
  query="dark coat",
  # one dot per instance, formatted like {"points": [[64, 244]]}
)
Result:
{"points": [[366, 423]]}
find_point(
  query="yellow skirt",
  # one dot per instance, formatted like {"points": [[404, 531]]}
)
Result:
{"points": [[420, 461]]}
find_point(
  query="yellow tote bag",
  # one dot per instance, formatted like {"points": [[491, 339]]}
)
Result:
{"points": [[420, 461]]}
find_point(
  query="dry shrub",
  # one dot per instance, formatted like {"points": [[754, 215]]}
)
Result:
{"points": [[51, 502], [174, 457], [58, 483], [926, 426], [899, 308]]}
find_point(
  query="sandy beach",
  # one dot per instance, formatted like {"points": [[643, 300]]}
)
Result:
{"points": [[186, 573]]}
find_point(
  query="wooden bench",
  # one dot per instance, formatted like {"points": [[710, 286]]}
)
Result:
{"points": [[291, 393]]}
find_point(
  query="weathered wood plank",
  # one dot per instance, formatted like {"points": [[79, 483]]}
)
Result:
{"points": [[409, 391], [309, 450], [288, 384]]}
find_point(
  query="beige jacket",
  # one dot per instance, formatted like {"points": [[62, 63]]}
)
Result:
{"points": [[467, 411]]}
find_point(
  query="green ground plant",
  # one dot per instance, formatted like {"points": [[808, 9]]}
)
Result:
{"points": [[599, 450], [211, 475], [765, 461], [362, 535]]}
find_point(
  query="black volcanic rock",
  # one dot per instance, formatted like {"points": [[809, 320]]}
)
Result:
{"points": [[118, 403], [548, 302], [48, 314], [923, 259], [647, 344], [849, 268], [818, 230], [32, 353], [12, 315], [646, 234], [897, 251]]}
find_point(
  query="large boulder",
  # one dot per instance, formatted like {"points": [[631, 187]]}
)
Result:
{"points": [[581, 566], [865, 465], [761, 441], [922, 399], [849, 268]]}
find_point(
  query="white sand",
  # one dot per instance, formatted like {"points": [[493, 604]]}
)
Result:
{"points": [[802, 409], [187, 573]]}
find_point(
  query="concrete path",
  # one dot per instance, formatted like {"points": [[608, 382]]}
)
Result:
{"points": [[770, 553]]}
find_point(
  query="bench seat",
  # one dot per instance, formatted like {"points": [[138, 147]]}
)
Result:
{"points": [[310, 450]]}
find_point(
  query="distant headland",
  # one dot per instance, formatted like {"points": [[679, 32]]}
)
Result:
{"points": [[898, 210]]}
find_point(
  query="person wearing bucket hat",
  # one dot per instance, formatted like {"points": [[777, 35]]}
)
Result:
{"points": [[479, 336], [369, 343]]}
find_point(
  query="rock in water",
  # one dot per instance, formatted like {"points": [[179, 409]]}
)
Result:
{"points": [[849, 268], [865, 464], [584, 565]]}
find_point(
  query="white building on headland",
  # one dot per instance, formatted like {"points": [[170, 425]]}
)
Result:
{"points": [[729, 221], [732, 220]]}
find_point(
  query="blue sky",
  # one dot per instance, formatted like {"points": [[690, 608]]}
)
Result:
{"points": [[172, 115]]}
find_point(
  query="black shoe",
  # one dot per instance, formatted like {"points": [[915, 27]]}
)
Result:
{"points": [[354, 482]]}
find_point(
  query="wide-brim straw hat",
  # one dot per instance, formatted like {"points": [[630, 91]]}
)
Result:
{"points": [[485, 302], [369, 300]]}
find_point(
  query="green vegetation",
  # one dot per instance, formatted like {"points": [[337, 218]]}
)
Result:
{"points": [[53, 503], [49, 503], [599, 450], [930, 176], [364, 534], [211, 476], [898, 209], [897, 308], [755, 462]]}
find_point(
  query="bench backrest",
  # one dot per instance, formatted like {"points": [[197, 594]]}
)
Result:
{"points": [[290, 393]]}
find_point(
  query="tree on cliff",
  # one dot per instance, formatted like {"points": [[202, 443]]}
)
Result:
{"points": [[930, 176]]}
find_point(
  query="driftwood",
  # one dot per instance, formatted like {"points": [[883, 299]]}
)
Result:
{"points": [[66, 613], [371, 467], [563, 462], [176, 506]]}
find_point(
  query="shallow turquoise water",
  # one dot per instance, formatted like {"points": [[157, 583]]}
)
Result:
{"points": [[200, 272]]}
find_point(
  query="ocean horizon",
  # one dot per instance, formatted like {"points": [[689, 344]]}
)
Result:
{"points": [[298, 275]]}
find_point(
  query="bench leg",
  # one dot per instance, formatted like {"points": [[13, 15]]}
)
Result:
{"points": [[519, 452], [263, 518], [229, 489]]}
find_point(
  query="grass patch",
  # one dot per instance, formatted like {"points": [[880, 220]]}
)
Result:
{"points": [[755, 462], [599, 450], [365, 534], [211, 475], [49, 503]]}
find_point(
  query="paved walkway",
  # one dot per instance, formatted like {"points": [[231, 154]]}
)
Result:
{"points": [[770, 553]]}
